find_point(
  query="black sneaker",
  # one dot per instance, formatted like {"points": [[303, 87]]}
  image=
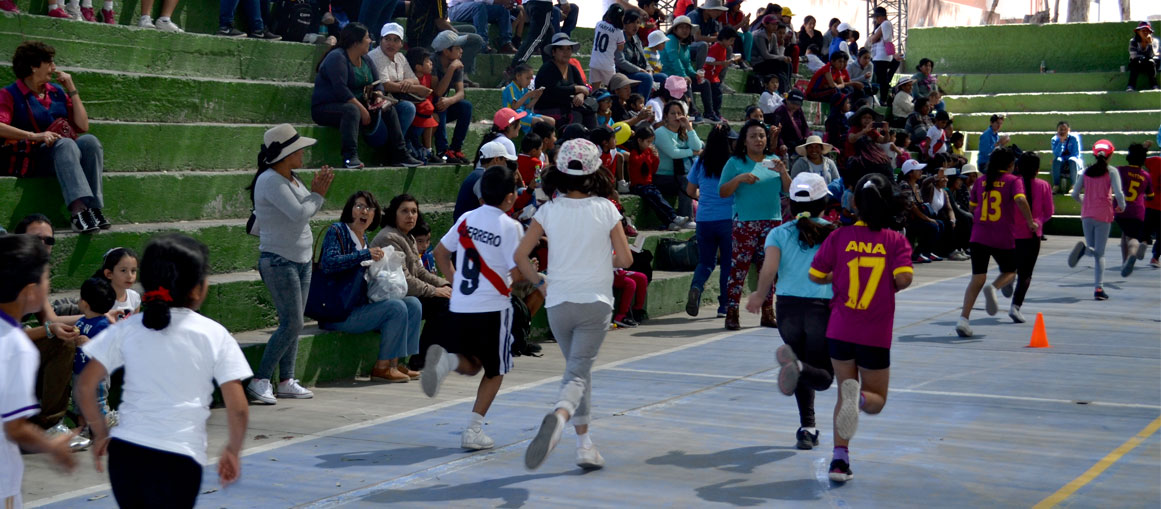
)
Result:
{"points": [[353, 163], [806, 439], [693, 302], [453, 157], [265, 35], [1099, 294], [840, 471], [638, 315], [1007, 290], [83, 222], [625, 322], [471, 84], [101, 222], [407, 161], [229, 31]]}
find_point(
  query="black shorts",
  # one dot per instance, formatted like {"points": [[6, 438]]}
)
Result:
{"points": [[1132, 228], [866, 357], [1005, 258], [484, 337]]}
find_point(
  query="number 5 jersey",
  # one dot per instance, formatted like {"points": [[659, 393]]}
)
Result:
{"points": [[864, 263], [484, 241]]}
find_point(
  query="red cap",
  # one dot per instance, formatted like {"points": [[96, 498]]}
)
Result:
{"points": [[506, 116], [1103, 148]]}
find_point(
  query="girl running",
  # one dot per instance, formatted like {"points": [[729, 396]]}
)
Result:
{"points": [[172, 356], [1039, 196], [802, 304], [1099, 187], [584, 229], [1138, 189], [856, 259], [994, 202], [119, 267]]}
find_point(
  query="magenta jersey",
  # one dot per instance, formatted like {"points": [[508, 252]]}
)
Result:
{"points": [[994, 212], [864, 263], [1042, 207], [1138, 188]]}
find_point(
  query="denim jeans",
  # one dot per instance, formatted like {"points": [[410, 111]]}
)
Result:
{"points": [[480, 15], [347, 118], [645, 88], [652, 197], [569, 22], [675, 186], [397, 321], [714, 243], [256, 12], [78, 166], [1096, 236], [1058, 165], [289, 283], [375, 13], [461, 114]]}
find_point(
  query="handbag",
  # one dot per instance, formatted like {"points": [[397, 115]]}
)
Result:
{"points": [[889, 48], [677, 255], [332, 297]]}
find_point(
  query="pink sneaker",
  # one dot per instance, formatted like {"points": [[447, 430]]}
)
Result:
{"points": [[59, 13], [108, 16], [8, 6], [88, 14]]}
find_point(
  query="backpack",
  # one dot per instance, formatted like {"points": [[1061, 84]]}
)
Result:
{"points": [[677, 255], [293, 19]]}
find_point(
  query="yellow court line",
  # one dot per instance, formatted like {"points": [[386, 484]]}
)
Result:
{"points": [[1099, 467]]}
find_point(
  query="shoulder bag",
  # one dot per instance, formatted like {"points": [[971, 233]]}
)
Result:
{"points": [[332, 297]]}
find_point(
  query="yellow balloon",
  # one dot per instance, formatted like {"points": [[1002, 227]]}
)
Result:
{"points": [[621, 132]]}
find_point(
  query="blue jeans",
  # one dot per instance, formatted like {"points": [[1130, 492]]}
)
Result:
{"points": [[480, 15], [714, 241], [1058, 164], [289, 283], [79, 166], [375, 13], [569, 22], [256, 11], [461, 114], [645, 88], [397, 321]]}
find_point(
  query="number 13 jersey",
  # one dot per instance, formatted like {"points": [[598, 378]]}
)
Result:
{"points": [[994, 211], [494, 237], [864, 263]]}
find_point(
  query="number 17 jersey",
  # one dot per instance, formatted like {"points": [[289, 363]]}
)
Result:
{"points": [[864, 263], [994, 211], [494, 237]]}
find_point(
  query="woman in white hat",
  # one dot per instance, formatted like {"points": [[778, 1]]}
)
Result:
{"points": [[903, 104], [283, 206], [813, 160]]}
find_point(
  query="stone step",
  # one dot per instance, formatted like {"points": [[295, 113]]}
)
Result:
{"points": [[1020, 48], [1132, 120], [1038, 139], [1033, 82], [1055, 101]]}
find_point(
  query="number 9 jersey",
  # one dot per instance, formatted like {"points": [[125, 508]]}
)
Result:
{"points": [[994, 211], [864, 263], [484, 241]]}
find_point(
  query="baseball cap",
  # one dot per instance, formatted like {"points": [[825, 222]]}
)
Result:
{"points": [[795, 95], [391, 29], [620, 80], [602, 95], [808, 186], [578, 157], [1103, 148], [656, 37], [911, 165], [494, 149], [506, 116], [879, 11], [842, 27], [787, 12], [447, 39]]}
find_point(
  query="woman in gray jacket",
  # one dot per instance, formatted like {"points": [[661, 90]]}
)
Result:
{"points": [[631, 61]]}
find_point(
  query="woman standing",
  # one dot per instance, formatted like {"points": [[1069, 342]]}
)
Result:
{"points": [[1097, 210], [756, 182], [883, 51], [1028, 241], [714, 219], [283, 207], [564, 88], [677, 147], [344, 248], [584, 229]]}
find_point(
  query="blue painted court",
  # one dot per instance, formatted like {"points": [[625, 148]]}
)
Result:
{"points": [[979, 422]]}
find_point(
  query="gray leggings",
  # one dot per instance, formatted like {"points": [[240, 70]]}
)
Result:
{"points": [[579, 330], [1096, 235]]}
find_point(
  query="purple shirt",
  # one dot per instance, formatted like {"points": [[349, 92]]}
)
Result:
{"points": [[864, 263], [1137, 186], [994, 218]]}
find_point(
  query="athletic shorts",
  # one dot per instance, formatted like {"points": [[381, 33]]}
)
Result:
{"points": [[601, 75], [528, 120], [1005, 258], [485, 337], [866, 357], [1132, 228]]}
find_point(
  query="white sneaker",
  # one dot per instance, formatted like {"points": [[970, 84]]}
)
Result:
{"points": [[166, 25], [292, 390], [963, 328], [260, 390], [476, 440], [847, 420], [112, 419], [990, 304], [1014, 313], [74, 11], [674, 226], [76, 443], [433, 370], [589, 458], [690, 225], [145, 22], [544, 441]]}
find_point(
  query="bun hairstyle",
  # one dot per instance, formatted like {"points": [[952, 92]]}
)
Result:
{"points": [[172, 267], [875, 201], [112, 258]]}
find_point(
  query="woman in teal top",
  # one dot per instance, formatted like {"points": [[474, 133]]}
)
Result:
{"points": [[675, 61], [677, 148], [756, 181]]}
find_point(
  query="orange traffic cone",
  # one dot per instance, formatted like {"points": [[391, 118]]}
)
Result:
{"points": [[1039, 336]]}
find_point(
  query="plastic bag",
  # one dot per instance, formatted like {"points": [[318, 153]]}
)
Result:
{"points": [[385, 278]]}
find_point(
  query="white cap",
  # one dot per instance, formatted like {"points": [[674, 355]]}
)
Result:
{"points": [[808, 186], [968, 168], [656, 37], [911, 165], [494, 148], [391, 29], [842, 27]]}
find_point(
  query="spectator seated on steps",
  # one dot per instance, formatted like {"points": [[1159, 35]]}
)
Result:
{"points": [[1143, 58], [46, 120], [400, 79], [426, 19], [483, 13]]}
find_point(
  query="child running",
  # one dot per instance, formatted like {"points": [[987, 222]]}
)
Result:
{"points": [[584, 229], [1097, 211], [1138, 188], [172, 357], [856, 259], [994, 202], [803, 305], [119, 268], [485, 240], [1039, 196]]}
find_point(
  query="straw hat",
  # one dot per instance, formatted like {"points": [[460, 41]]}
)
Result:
{"points": [[811, 140]]}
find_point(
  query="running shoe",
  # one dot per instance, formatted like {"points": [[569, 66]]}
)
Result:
{"points": [[1015, 314], [291, 389], [1127, 268], [1155, 263], [229, 31], [353, 163], [920, 259], [1100, 294], [475, 439], [788, 374], [8, 6], [840, 471], [806, 439], [544, 441], [693, 301], [963, 328], [433, 370], [261, 391], [99, 218], [625, 322], [145, 22], [1077, 252], [1142, 248], [167, 25], [108, 17], [933, 257], [990, 304], [847, 420], [589, 458], [1007, 290], [88, 14], [59, 13]]}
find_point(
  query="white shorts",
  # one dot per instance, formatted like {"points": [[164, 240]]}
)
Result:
{"points": [[602, 76]]}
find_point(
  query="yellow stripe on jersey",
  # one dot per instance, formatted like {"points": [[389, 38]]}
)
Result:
{"points": [[1021, 195], [818, 273], [903, 270]]}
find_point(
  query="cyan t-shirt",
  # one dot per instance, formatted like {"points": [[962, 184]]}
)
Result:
{"points": [[794, 266], [710, 205], [759, 201]]}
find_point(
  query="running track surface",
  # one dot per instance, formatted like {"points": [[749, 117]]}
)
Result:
{"points": [[969, 423]]}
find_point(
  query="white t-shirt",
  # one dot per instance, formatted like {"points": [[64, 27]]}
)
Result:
{"points": [[390, 69], [580, 253], [937, 141], [131, 303], [495, 236], [20, 361], [169, 377], [768, 102], [878, 49], [606, 37]]}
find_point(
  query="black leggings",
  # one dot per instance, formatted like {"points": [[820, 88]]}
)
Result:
{"points": [[802, 324], [1027, 250], [145, 477], [1146, 68], [436, 317]]}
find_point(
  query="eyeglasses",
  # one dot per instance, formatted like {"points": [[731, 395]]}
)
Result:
{"points": [[48, 241]]}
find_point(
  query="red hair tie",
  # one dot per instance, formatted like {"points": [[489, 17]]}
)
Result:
{"points": [[160, 294]]}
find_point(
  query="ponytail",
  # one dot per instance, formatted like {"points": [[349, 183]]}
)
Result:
{"points": [[1027, 166], [1002, 158], [263, 165], [875, 200], [1099, 168], [172, 267], [811, 233]]}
